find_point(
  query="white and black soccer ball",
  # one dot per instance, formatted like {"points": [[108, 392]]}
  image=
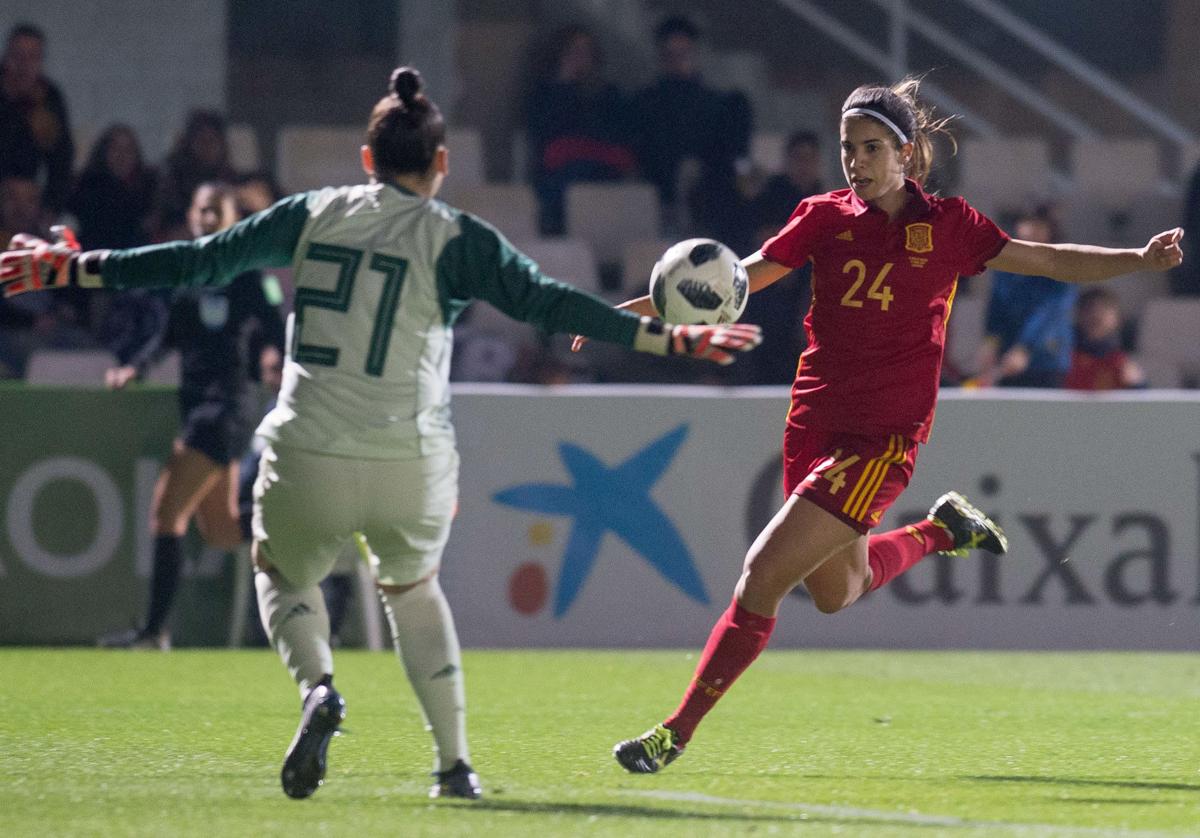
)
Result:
{"points": [[699, 281]]}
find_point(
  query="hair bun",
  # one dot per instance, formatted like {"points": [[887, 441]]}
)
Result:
{"points": [[406, 83]]}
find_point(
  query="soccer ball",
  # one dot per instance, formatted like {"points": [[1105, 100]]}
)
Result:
{"points": [[699, 281]]}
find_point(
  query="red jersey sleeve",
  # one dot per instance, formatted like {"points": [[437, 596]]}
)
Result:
{"points": [[978, 238], [793, 245]]}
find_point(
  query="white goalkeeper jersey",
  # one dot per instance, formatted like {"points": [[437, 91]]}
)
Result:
{"points": [[381, 274]]}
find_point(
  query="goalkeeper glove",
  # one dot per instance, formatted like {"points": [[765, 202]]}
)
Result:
{"points": [[710, 343], [34, 264]]}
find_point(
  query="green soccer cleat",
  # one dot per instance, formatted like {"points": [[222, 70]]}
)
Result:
{"points": [[457, 781], [651, 752], [970, 528]]}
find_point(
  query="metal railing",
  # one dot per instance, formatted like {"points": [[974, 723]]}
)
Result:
{"points": [[904, 20]]}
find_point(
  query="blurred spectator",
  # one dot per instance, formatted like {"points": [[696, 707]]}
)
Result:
{"points": [[20, 208], [35, 134], [771, 206], [254, 192], [780, 308], [1185, 280], [34, 321], [679, 118], [578, 124], [114, 197], [1098, 362], [200, 155], [1029, 335]]}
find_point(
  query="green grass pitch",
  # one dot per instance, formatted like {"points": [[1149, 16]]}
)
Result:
{"points": [[808, 743]]}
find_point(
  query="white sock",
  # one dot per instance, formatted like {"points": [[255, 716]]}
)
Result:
{"points": [[298, 625], [424, 635]]}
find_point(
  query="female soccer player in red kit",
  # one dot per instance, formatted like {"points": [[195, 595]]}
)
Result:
{"points": [[886, 258]]}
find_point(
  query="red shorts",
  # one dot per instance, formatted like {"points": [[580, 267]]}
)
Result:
{"points": [[854, 478]]}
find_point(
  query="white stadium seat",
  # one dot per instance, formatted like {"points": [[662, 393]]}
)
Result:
{"points": [[637, 261], [1167, 345], [511, 207], [566, 259], [166, 370], [1115, 168], [75, 367], [313, 156], [767, 150], [608, 215], [243, 148], [466, 158], [1004, 173], [965, 331]]}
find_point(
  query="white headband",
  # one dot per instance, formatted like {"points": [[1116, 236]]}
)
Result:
{"points": [[880, 117]]}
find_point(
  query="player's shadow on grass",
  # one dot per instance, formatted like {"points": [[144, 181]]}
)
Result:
{"points": [[1079, 781], [622, 810], [615, 810]]}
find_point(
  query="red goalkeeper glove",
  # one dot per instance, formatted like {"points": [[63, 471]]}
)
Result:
{"points": [[34, 264]]}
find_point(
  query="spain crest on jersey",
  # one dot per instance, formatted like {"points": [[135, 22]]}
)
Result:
{"points": [[918, 237]]}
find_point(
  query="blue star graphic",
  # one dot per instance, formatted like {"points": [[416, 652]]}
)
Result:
{"points": [[616, 499]]}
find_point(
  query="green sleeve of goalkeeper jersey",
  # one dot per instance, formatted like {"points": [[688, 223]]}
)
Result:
{"points": [[479, 263], [265, 239]]}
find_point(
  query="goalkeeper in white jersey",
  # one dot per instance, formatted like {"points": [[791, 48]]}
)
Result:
{"points": [[361, 440]]}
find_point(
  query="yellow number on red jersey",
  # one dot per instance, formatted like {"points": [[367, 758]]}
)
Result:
{"points": [[877, 291]]}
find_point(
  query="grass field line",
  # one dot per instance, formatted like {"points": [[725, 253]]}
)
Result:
{"points": [[896, 818]]}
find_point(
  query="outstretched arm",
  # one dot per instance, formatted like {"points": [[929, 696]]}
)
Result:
{"points": [[762, 272], [267, 238], [1088, 263]]}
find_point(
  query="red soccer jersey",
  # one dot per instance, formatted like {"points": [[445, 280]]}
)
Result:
{"points": [[1096, 372], [881, 294]]}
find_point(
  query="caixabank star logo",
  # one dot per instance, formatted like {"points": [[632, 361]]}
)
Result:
{"points": [[602, 499]]}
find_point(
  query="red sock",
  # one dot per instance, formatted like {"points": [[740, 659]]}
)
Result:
{"points": [[735, 642], [891, 553]]}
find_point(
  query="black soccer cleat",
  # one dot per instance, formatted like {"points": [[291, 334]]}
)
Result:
{"points": [[652, 751], [970, 528], [304, 766], [136, 640], [457, 781]]}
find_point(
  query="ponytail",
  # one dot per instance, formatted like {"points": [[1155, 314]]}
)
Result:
{"points": [[406, 127]]}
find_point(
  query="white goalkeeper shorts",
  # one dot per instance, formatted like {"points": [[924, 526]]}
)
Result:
{"points": [[307, 508]]}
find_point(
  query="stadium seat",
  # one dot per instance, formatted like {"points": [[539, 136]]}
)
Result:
{"points": [[1004, 173], [84, 135], [489, 343], [965, 331], [1135, 291], [1167, 346], [165, 370], [243, 147], [519, 156], [74, 367], [608, 215], [511, 207], [637, 261], [1111, 167], [1126, 220], [766, 150], [313, 156], [466, 157], [566, 259]]}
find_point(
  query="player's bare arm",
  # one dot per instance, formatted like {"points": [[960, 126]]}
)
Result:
{"points": [[762, 272], [1089, 263]]}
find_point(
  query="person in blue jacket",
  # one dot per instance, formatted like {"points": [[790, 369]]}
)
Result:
{"points": [[1029, 334]]}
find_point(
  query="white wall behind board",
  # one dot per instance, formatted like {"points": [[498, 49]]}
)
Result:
{"points": [[143, 62]]}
